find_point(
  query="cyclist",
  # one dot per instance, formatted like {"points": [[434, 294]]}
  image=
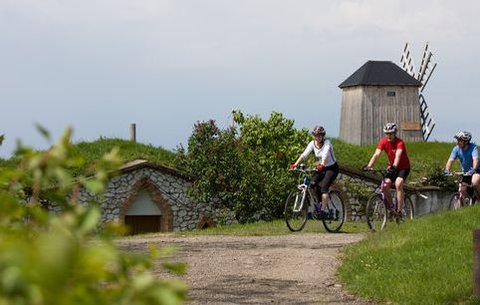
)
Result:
{"points": [[398, 163], [327, 167], [466, 151]]}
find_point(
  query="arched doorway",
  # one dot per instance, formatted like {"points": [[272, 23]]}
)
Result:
{"points": [[146, 210]]}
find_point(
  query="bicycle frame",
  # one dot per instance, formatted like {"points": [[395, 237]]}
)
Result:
{"points": [[302, 203], [379, 208], [391, 205], [306, 190], [463, 198]]}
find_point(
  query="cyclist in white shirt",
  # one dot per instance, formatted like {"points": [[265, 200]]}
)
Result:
{"points": [[327, 167]]}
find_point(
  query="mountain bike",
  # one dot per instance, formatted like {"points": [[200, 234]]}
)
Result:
{"points": [[379, 208], [459, 198], [301, 203]]}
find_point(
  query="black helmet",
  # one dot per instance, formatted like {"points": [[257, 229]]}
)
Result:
{"points": [[463, 135], [318, 131], [390, 128]]}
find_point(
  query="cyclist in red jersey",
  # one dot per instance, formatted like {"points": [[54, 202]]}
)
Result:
{"points": [[398, 163]]}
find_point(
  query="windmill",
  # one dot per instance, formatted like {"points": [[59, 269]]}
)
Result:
{"points": [[427, 66]]}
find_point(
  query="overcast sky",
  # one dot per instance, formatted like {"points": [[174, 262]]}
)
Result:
{"points": [[100, 65]]}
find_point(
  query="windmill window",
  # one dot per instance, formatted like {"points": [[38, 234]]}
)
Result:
{"points": [[390, 93]]}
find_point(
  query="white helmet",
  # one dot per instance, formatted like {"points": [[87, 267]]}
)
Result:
{"points": [[390, 128], [463, 135]]}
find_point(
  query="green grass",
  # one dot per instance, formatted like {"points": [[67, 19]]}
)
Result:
{"points": [[92, 151], [427, 261], [128, 151], [270, 228]]}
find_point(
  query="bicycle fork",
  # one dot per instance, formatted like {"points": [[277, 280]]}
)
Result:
{"points": [[300, 198]]}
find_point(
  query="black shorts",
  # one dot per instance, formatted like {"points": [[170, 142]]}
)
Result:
{"points": [[467, 179], [402, 173], [322, 180]]}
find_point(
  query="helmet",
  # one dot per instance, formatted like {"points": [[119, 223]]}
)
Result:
{"points": [[318, 130], [463, 135], [390, 128]]}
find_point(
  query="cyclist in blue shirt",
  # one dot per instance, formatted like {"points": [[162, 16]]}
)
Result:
{"points": [[466, 151]]}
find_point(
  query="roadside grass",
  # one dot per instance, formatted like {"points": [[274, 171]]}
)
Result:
{"points": [[426, 261], [265, 228]]}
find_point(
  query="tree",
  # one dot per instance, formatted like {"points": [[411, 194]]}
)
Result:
{"points": [[244, 167]]}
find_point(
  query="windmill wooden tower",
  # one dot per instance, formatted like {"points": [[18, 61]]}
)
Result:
{"points": [[380, 92], [377, 93], [427, 66]]}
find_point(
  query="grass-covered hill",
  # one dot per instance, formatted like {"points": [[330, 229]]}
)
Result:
{"points": [[428, 159], [92, 151]]}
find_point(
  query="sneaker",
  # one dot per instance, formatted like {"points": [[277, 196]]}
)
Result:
{"points": [[318, 208]]}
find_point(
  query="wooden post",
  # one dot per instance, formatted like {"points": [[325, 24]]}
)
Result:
{"points": [[133, 133], [476, 263]]}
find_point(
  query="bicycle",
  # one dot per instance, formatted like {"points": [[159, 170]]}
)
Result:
{"points": [[301, 203], [379, 209], [461, 199]]}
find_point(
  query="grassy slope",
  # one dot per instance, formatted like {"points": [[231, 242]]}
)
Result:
{"points": [[427, 261], [129, 151]]}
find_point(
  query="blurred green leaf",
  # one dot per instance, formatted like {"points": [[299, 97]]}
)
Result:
{"points": [[43, 131]]}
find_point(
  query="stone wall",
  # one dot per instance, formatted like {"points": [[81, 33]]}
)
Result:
{"points": [[426, 200], [167, 188]]}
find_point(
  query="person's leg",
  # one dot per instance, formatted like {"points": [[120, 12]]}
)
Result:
{"points": [[466, 181], [316, 178], [387, 184], [330, 176], [399, 182], [476, 183]]}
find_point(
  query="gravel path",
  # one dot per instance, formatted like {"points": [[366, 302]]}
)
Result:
{"points": [[289, 269]]}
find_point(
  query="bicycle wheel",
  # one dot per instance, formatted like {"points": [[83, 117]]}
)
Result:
{"points": [[408, 210], [376, 212], [295, 211], [336, 215], [459, 201]]}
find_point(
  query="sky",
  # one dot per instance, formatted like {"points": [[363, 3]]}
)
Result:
{"points": [[100, 65]]}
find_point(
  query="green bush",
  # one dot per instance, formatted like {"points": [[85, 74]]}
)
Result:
{"points": [[244, 167], [48, 259]]}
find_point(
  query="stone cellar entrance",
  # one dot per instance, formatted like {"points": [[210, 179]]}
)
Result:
{"points": [[146, 211]]}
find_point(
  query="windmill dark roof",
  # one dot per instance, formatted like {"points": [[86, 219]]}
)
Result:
{"points": [[383, 73]]}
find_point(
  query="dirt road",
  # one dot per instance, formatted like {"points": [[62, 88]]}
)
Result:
{"points": [[290, 269]]}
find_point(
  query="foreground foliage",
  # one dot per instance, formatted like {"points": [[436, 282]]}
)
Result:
{"points": [[427, 261], [63, 259]]}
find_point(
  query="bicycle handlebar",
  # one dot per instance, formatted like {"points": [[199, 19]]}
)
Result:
{"points": [[457, 174], [302, 170], [383, 172]]}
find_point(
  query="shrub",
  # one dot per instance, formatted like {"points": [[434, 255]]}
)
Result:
{"points": [[244, 167], [62, 259]]}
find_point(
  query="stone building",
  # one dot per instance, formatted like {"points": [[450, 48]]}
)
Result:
{"points": [[148, 197]]}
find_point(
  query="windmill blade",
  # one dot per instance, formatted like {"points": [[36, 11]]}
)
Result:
{"points": [[428, 78], [424, 63], [427, 58], [406, 60], [426, 121]]}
